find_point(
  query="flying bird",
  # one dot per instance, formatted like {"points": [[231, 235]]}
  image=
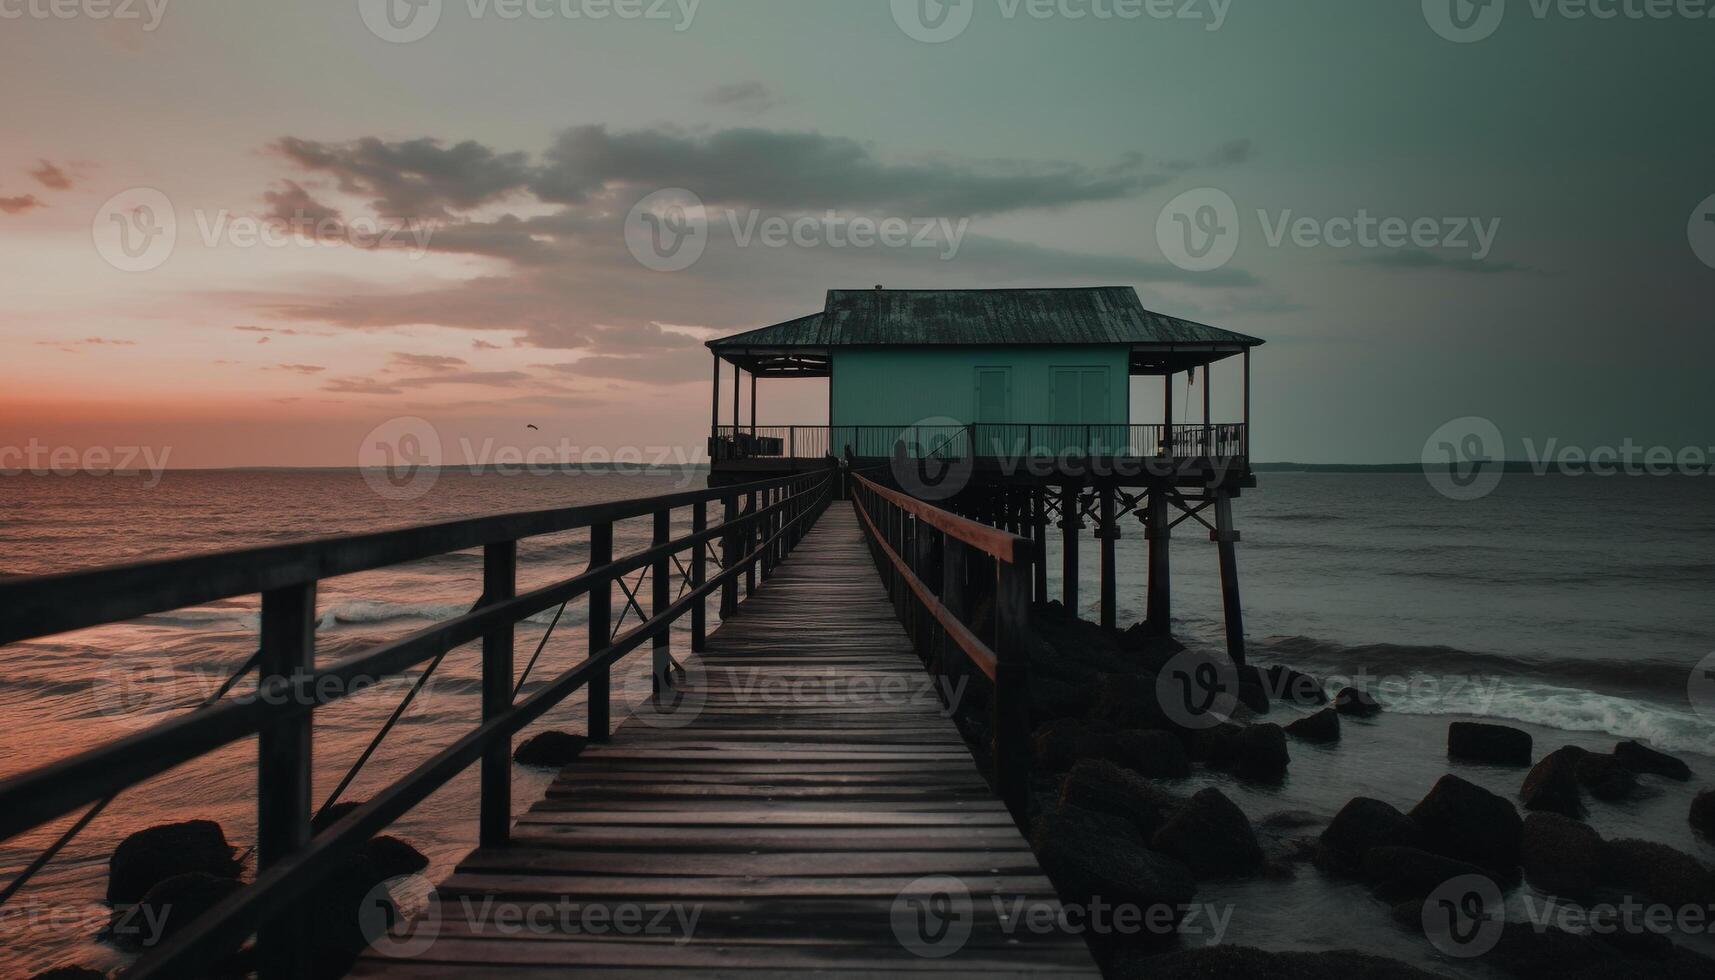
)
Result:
{"points": [[532, 427]]}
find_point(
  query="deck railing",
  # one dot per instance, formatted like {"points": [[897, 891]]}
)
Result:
{"points": [[988, 440], [915, 544], [774, 517]]}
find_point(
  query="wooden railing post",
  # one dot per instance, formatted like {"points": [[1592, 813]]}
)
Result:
{"points": [[729, 555], [661, 596], [699, 576], [750, 539], [599, 626], [288, 643], [1108, 533], [499, 583], [1071, 522], [1012, 688], [953, 554]]}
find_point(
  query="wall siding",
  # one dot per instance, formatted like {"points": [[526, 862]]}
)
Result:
{"points": [[900, 386]]}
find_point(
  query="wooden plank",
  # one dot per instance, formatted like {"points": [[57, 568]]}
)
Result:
{"points": [[790, 815]]}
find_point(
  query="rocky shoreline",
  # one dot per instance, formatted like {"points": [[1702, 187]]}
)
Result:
{"points": [[1108, 823]]}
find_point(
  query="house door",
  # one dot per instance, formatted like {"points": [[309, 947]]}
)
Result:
{"points": [[993, 403], [1082, 419]]}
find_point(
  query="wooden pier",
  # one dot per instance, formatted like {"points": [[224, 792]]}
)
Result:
{"points": [[797, 813]]}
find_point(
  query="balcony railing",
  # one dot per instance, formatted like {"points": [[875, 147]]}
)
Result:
{"points": [[989, 440]]}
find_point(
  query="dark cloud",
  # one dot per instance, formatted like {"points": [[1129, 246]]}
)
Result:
{"points": [[430, 362], [661, 369], [360, 386], [51, 177], [480, 344], [20, 204], [1231, 153], [751, 98], [1422, 259], [420, 177], [303, 368], [295, 204]]}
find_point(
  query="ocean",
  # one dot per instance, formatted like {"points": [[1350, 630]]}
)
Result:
{"points": [[1578, 607]]}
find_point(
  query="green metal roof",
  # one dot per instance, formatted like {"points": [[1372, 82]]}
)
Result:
{"points": [[936, 317]]}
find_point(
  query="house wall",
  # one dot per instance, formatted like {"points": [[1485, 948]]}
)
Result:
{"points": [[900, 386]]}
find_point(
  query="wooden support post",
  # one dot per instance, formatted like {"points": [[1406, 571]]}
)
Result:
{"points": [[599, 626], [1226, 537], [1107, 534], [1071, 522], [661, 596], [1039, 534], [1167, 415], [715, 411], [499, 583], [699, 577], [750, 537], [1159, 611], [729, 555], [953, 570], [753, 404], [1012, 688], [737, 379], [288, 644], [1245, 440]]}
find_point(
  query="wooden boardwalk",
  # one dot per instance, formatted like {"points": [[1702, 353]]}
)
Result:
{"points": [[794, 818]]}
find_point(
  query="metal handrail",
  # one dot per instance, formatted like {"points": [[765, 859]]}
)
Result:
{"points": [[31, 607]]}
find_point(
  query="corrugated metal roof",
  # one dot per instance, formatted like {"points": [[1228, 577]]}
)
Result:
{"points": [[933, 317]]}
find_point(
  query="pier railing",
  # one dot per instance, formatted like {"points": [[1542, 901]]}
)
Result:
{"points": [[762, 523], [974, 565], [984, 440]]}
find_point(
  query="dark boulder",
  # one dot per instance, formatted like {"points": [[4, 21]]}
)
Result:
{"points": [[1358, 704], [1058, 745], [1256, 752], [1399, 873], [1364, 823], [1641, 758], [1211, 835], [1561, 855], [1054, 697], [1703, 813], [1286, 684], [1253, 689], [168, 908], [1462, 820], [1129, 701], [1499, 744], [1107, 788], [1606, 778], [1552, 784], [1157, 754], [1658, 871], [1087, 858], [1246, 963], [550, 749], [1529, 953], [1322, 727], [346, 913], [393, 857], [149, 857], [70, 973]]}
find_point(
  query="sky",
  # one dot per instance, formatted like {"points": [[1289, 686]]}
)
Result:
{"points": [[251, 233]]}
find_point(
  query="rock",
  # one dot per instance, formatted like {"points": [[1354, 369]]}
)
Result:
{"points": [[1058, 745], [1053, 697], [1561, 855], [1552, 784], [1295, 686], [1398, 873], [149, 857], [1703, 813], [550, 749], [1087, 859], [1659, 871], [1157, 754], [1499, 744], [1129, 701], [1529, 953], [1641, 758], [1246, 963], [1364, 823], [1211, 835], [1358, 704], [70, 973], [1322, 727], [1253, 689], [393, 857], [345, 917], [1106, 788], [1605, 778], [1462, 820], [1253, 751], [168, 908]]}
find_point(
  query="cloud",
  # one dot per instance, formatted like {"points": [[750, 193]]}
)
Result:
{"points": [[751, 98], [431, 362], [20, 204], [87, 342], [292, 203], [660, 369], [51, 177], [360, 386], [303, 368], [480, 344], [419, 177], [1417, 259]]}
